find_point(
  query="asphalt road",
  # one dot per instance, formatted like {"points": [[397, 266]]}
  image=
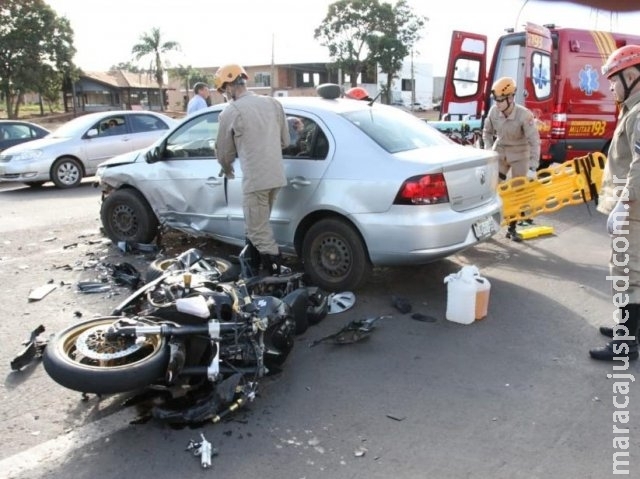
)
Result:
{"points": [[512, 396]]}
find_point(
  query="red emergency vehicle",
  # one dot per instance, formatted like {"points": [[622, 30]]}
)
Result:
{"points": [[557, 71]]}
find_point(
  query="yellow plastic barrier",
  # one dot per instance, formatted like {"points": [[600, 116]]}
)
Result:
{"points": [[573, 182]]}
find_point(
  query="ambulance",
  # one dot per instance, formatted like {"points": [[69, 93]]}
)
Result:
{"points": [[557, 72]]}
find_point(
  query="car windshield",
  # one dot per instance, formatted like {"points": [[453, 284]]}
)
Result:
{"points": [[395, 130], [72, 128]]}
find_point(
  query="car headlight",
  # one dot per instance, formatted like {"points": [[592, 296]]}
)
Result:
{"points": [[27, 155], [100, 171]]}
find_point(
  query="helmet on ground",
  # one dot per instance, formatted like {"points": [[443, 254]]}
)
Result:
{"points": [[621, 59], [357, 93], [503, 87], [339, 302], [228, 74]]}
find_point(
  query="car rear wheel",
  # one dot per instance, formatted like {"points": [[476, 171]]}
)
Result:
{"points": [[66, 173], [334, 256], [126, 216]]}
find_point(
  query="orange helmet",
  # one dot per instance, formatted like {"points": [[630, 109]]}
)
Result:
{"points": [[621, 59], [228, 74], [503, 87], [357, 93]]}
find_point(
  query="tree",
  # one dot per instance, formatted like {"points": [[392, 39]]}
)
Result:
{"points": [[34, 43], [190, 76], [346, 30], [126, 66], [400, 30], [151, 45]]}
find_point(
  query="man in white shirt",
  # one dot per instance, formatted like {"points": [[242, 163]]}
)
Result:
{"points": [[199, 100]]}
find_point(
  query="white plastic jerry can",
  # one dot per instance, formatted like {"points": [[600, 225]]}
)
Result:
{"points": [[483, 288], [461, 295]]}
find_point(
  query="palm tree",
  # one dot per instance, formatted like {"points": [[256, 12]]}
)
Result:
{"points": [[151, 44]]}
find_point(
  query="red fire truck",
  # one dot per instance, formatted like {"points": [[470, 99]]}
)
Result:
{"points": [[557, 71]]}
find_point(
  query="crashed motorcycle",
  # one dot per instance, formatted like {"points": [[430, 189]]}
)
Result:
{"points": [[201, 344]]}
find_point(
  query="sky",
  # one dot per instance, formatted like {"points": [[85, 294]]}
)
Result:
{"points": [[251, 32]]}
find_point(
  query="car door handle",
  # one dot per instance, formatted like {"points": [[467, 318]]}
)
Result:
{"points": [[213, 181], [299, 181]]}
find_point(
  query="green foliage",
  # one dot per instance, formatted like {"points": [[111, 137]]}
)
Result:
{"points": [[359, 33], [152, 46], [36, 49], [126, 66], [190, 76]]}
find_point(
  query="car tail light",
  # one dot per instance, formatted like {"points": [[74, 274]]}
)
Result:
{"points": [[559, 121], [423, 190]]}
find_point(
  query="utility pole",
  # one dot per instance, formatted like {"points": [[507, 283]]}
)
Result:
{"points": [[413, 83], [273, 64]]}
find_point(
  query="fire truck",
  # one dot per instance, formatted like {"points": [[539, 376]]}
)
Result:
{"points": [[557, 72]]}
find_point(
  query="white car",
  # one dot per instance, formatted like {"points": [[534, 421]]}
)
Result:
{"points": [[368, 184], [76, 149]]}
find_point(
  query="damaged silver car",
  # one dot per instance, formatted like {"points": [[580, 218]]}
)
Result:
{"points": [[368, 185]]}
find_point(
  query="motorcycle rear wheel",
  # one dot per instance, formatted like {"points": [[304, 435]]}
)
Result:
{"points": [[80, 358]]}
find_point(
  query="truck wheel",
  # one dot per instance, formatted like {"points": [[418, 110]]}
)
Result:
{"points": [[126, 216], [334, 256]]}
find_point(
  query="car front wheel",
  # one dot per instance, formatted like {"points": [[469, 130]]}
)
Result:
{"points": [[66, 173], [334, 256], [126, 216]]}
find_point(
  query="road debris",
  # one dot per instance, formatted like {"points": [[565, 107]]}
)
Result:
{"points": [[40, 292], [34, 346], [354, 331]]}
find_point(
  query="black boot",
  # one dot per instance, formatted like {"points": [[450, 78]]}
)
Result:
{"points": [[608, 330], [621, 345], [272, 264], [253, 257], [512, 233]]}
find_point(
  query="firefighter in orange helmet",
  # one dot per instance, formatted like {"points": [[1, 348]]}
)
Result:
{"points": [[619, 199], [510, 130], [253, 129]]}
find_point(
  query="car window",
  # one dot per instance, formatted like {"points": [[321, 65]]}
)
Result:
{"points": [[111, 126], [195, 138], [307, 140], [395, 130], [142, 123], [14, 132]]}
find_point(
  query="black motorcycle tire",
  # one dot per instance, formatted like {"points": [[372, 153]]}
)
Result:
{"points": [[228, 271], [62, 365]]}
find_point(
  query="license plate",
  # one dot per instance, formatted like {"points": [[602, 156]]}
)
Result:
{"points": [[483, 228]]}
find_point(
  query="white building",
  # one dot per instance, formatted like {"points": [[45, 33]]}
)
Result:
{"points": [[401, 87]]}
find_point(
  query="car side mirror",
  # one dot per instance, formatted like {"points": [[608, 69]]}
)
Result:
{"points": [[153, 155], [92, 132]]}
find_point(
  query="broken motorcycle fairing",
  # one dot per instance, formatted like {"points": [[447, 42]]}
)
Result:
{"points": [[182, 332]]}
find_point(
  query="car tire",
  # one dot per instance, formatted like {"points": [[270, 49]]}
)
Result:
{"points": [[126, 216], [334, 256], [66, 172]]}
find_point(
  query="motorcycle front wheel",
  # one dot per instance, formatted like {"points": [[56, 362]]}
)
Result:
{"points": [[81, 358]]}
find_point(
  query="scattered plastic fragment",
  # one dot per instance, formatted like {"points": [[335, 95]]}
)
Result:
{"points": [[354, 331], [40, 292], [34, 346], [401, 304], [425, 318]]}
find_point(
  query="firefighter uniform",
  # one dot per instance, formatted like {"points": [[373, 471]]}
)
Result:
{"points": [[515, 138], [622, 178]]}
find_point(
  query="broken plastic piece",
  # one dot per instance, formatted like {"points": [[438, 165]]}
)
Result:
{"points": [[34, 346], [340, 302], [38, 293], [401, 304], [352, 332], [93, 287], [424, 318]]}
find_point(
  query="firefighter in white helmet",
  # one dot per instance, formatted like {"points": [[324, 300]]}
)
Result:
{"points": [[510, 129], [619, 199]]}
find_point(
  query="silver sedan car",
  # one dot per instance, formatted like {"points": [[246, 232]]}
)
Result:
{"points": [[76, 149], [367, 185]]}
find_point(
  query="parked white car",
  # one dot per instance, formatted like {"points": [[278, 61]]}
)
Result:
{"points": [[75, 150]]}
